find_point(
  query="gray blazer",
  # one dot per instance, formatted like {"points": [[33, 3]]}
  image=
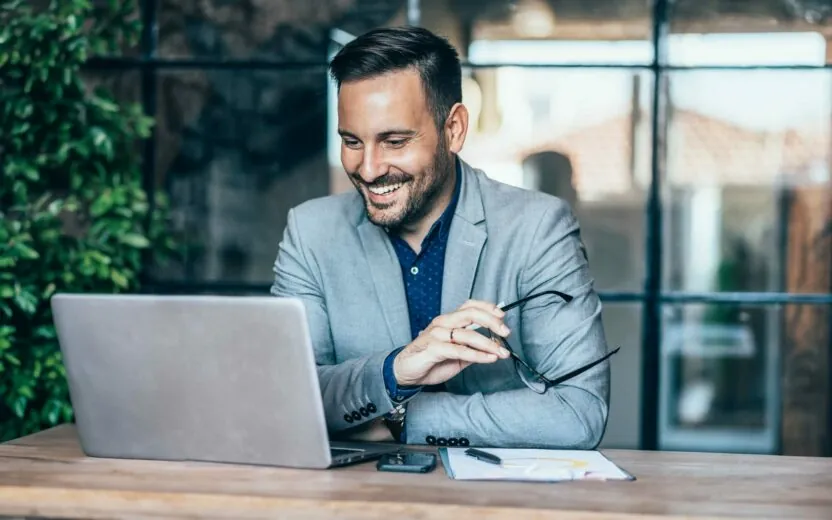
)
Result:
{"points": [[505, 243]]}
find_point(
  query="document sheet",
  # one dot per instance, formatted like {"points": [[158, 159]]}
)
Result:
{"points": [[532, 465]]}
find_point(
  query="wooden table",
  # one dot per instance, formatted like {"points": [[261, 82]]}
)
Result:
{"points": [[47, 475]]}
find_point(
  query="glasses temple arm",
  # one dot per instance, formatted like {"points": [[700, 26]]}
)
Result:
{"points": [[566, 297], [582, 369]]}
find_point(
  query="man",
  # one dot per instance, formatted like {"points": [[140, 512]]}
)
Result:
{"points": [[396, 275]]}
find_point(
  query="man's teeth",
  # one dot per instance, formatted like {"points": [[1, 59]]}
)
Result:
{"points": [[386, 189]]}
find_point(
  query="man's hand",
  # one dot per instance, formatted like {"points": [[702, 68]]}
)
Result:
{"points": [[446, 346]]}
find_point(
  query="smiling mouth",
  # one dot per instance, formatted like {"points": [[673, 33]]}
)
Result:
{"points": [[385, 190]]}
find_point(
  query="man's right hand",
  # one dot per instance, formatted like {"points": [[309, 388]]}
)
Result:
{"points": [[446, 346]]}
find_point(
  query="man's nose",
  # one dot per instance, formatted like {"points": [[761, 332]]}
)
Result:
{"points": [[373, 166]]}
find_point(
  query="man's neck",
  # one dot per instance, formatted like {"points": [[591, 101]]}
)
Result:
{"points": [[415, 234]]}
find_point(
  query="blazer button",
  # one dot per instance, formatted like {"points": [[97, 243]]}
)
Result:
{"points": [[372, 408], [453, 441], [348, 418], [356, 416], [463, 441], [430, 439], [442, 441], [364, 412]]}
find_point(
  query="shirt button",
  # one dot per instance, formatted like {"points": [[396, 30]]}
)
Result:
{"points": [[414, 270]]}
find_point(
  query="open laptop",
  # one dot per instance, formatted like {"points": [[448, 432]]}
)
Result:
{"points": [[204, 378]]}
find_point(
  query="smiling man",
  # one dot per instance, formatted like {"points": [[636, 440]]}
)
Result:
{"points": [[401, 278]]}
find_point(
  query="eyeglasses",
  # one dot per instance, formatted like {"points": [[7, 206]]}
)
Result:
{"points": [[531, 377]]}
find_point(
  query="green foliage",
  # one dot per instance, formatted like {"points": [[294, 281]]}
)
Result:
{"points": [[73, 214]]}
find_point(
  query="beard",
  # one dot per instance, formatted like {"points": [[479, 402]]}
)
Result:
{"points": [[423, 190]]}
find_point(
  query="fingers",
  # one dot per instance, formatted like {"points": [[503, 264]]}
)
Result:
{"points": [[473, 315], [471, 339], [482, 305], [445, 351]]}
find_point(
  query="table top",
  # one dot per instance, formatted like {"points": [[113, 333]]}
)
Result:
{"points": [[46, 474]]}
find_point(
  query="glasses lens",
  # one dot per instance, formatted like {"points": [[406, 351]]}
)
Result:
{"points": [[527, 375], [530, 379]]}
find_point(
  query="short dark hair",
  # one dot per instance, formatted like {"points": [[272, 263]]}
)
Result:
{"points": [[391, 49]]}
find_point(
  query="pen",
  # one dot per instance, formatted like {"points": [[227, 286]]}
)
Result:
{"points": [[483, 456]]}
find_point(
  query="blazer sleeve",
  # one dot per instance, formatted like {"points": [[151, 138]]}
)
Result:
{"points": [[556, 337], [353, 391]]}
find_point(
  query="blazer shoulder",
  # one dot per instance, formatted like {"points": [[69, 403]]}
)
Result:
{"points": [[327, 213], [531, 206]]}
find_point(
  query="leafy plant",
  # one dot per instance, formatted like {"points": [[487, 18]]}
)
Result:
{"points": [[73, 214]]}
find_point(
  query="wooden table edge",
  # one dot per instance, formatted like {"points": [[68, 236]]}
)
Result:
{"points": [[66, 502]]}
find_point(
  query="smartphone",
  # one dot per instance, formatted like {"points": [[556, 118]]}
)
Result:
{"points": [[407, 462]]}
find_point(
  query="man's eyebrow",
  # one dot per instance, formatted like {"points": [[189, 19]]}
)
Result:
{"points": [[397, 131], [344, 133]]}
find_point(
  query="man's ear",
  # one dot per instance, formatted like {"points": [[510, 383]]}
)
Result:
{"points": [[456, 127]]}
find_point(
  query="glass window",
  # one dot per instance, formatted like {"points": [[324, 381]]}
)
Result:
{"points": [[746, 175], [282, 31], [236, 150], [749, 33], [720, 377], [619, 32], [581, 135]]}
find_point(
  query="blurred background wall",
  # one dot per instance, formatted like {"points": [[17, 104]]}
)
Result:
{"points": [[693, 139]]}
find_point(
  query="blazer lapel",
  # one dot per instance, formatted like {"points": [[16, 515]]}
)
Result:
{"points": [[465, 242], [386, 273]]}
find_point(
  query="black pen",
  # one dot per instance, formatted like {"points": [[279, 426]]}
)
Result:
{"points": [[483, 456]]}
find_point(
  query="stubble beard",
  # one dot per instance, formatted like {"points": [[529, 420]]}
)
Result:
{"points": [[423, 193]]}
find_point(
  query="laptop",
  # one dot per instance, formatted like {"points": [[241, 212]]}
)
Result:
{"points": [[201, 378]]}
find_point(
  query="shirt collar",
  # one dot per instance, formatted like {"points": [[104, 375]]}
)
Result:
{"points": [[443, 223]]}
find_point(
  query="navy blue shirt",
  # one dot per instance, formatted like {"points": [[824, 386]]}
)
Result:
{"points": [[422, 274]]}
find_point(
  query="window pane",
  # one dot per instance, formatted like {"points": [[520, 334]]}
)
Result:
{"points": [[547, 31], [582, 135], [721, 375], [749, 33], [236, 150], [622, 325], [748, 165], [292, 30]]}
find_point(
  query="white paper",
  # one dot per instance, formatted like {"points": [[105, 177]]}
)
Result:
{"points": [[535, 465]]}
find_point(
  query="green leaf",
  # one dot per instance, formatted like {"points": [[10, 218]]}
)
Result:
{"points": [[48, 291], [102, 204], [119, 279], [45, 332], [54, 412], [20, 406], [26, 252], [104, 104], [25, 301], [31, 173], [135, 240]]}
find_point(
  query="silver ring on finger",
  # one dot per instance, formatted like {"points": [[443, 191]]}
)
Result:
{"points": [[452, 336]]}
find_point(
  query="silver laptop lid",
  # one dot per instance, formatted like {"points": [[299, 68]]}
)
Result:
{"points": [[208, 378]]}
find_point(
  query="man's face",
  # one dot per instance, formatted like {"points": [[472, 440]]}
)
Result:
{"points": [[391, 149]]}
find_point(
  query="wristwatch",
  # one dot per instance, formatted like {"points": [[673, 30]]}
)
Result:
{"points": [[394, 420]]}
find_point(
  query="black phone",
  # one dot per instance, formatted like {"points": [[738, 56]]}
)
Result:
{"points": [[407, 462]]}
